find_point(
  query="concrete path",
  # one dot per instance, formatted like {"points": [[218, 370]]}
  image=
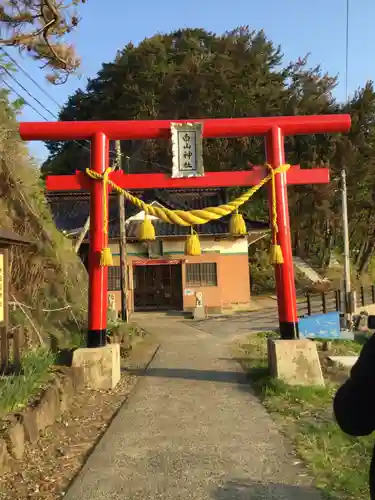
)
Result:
{"points": [[240, 324], [191, 430]]}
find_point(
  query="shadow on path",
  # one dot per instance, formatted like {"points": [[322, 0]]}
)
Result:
{"points": [[190, 374], [244, 489]]}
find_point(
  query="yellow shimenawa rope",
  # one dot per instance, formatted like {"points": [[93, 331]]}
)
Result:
{"points": [[105, 178], [276, 252], [192, 217], [274, 212], [106, 254]]}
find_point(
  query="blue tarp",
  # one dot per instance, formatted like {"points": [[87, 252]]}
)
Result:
{"points": [[320, 326]]}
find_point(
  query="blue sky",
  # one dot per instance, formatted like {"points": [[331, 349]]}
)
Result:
{"points": [[317, 27]]}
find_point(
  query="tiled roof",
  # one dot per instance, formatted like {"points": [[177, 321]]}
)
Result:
{"points": [[189, 200], [70, 212]]}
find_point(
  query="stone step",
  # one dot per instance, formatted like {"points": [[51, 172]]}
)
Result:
{"points": [[307, 270]]}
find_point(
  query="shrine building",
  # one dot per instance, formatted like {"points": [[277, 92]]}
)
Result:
{"points": [[160, 275]]}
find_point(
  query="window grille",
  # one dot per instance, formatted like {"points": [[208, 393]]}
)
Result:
{"points": [[114, 278], [203, 274]]}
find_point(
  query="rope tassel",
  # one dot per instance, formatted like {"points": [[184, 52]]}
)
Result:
{"points": [[276, 252], [146, 230], [193, 245], [106, 258], [237, 225]]}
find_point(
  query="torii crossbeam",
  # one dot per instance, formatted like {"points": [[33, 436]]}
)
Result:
{"points": [[101, 132]]}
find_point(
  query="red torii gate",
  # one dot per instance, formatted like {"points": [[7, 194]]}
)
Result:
{"points": [[101, 132]]}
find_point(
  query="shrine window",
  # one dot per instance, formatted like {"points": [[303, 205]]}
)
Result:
{"points": [[114, 278], [202, 274]]}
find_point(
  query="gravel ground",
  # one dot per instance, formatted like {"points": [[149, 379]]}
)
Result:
{"points": [[191, 429]]}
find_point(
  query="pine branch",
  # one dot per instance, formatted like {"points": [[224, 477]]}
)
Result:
{"points": [[39, 27]]}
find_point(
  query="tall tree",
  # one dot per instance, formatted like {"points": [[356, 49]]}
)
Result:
{"points": [[184, 74], [39, 27], [193, 73], [358, 156]]}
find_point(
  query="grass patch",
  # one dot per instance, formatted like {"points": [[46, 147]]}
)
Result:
{"points": [[17, 390], [120, 328], [347, 347], [339, 463]]}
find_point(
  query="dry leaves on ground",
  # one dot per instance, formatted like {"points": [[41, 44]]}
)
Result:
{"points": [[48, 468]]}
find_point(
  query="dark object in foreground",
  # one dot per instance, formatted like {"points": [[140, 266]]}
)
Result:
{"points": [[371, 322], [354, 402]]}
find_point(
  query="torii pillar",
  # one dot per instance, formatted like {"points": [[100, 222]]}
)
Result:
{"points": [[274, 129]]}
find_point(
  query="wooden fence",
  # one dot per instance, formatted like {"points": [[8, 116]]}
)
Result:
{"points": [[320, 303], [12, 343]]}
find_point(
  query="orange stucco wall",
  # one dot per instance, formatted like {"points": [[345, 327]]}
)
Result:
{"points": [[211, 294], [233, 282]]}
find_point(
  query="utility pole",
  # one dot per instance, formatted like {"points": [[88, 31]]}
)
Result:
{"points": [[345, 225], [122, 241]]}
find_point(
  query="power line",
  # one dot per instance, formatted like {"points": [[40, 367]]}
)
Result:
{"points": [[23, 99], [35, 99], [50, 112], [30, 77], [27, 92], [347, 50]]}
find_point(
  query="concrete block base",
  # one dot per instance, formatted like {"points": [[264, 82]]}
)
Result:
{"points": [[295, 362], [199, 313], [101, 366]]}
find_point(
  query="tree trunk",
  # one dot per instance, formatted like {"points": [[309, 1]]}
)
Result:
{"points": [[352, 234], [297, 245], [296, 224], [327, 249], [362, 250], [366, 258], [82, 235]]}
